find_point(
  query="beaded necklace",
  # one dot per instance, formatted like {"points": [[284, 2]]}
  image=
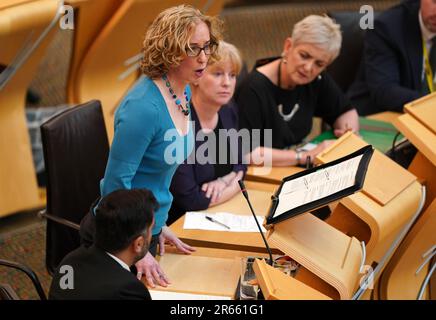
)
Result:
{"points": [[177, 101]]}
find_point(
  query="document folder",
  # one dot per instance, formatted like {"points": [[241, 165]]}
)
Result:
{"points": [[318, 186]]}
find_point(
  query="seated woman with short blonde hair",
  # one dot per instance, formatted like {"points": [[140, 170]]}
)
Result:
{"points": [[282, 95]]}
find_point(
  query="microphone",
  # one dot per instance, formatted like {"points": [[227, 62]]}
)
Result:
{"points": [[245, 193]]}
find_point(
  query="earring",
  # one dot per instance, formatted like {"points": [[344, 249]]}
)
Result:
{"points": [[284, 60]]}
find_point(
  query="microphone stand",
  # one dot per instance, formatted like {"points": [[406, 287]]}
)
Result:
{"points": [[245, 193]]}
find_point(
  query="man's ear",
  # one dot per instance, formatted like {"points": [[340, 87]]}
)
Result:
{"points": [[137, 244]]}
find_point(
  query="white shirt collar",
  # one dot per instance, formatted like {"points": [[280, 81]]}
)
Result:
{"points": [[427, 34], [121, 262]]}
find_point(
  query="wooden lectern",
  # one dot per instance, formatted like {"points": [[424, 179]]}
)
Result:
{"points": [[379, 214], [331, 259], [401, 279], [418, 125]]}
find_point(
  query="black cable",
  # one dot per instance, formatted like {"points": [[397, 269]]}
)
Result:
{"points": [[394, 156]]}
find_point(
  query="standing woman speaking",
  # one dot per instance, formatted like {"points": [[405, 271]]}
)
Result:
{"points": [[177, 48]]}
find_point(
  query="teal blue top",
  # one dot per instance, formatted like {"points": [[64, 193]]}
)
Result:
{"points": [[146, 148]]}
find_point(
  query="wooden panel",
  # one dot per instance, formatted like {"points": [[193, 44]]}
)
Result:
{"points": [[426, 172], [423, 111], [20, 25], [323, 250], [420, 136], [400, 281], [200, 275], [384, 180], [385, 222], [11, 3], [90, 17], [276, 285]]}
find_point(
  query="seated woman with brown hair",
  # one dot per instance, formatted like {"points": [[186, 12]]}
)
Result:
{"points": [[211, 177]]}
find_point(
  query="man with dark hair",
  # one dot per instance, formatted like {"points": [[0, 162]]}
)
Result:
{"points": [[122, 235], [399, 60]]}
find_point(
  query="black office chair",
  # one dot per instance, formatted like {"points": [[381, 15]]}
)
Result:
{"points": [[76, 149], [6, 291]]}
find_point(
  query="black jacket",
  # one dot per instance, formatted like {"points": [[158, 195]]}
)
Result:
{"points": [[391, 70], [96, 276]]}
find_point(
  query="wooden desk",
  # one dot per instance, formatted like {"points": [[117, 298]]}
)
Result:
{"points": [[387, 116], [217, 253], [200, 275], [242, 241], [273, 175], [259, 186]]}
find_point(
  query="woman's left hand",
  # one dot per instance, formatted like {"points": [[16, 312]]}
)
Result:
{"points": [[168, 236], [214, 189], [348, 121]]}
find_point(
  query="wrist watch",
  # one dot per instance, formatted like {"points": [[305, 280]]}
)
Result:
{"points": [[298, 156]]}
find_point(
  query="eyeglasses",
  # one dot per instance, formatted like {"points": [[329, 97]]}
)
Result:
{"points": [[208, 49]]}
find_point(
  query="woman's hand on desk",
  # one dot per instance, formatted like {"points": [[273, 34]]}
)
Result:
{"points": [[315, 151], [231, 189], [167, 236], [149, 267], [214, 189]]}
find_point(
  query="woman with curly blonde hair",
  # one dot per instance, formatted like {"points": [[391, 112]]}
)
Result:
{"points": [[154, 118]]}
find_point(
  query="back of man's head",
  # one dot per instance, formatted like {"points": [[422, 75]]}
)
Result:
{"points": [[122, 216]]}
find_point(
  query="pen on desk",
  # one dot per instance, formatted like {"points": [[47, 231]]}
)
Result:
{"points": [[217, 222]]}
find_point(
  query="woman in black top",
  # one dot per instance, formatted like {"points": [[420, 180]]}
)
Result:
{"points": [[210, 175], [285, 93]]}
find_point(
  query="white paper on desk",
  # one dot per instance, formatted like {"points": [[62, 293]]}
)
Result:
{"points": [[237, 223], [317, 185]]}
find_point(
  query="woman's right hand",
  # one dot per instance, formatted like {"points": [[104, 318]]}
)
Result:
{"points": [[315, 151], [150, 268], [214, 189]]}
